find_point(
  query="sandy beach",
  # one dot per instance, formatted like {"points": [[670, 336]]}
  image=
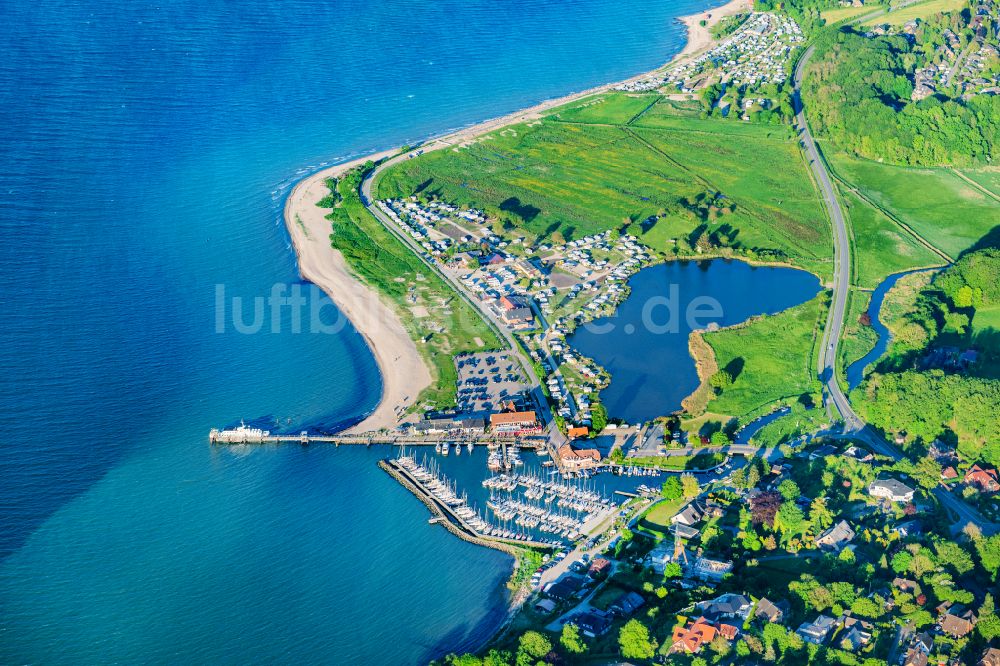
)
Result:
{"points": [[404, 372]]}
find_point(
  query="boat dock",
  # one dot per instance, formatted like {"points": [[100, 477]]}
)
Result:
{"points": [[445, 515]]}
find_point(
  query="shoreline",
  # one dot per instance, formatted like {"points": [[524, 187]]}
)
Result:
{"points": [[403, 370]]}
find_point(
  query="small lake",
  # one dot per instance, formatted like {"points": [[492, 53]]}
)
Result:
{"points": [[644, 345]]}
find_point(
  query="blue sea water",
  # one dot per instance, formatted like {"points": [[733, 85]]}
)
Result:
{"points": [[147, 149]]}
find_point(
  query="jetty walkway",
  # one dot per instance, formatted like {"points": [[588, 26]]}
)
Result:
{"points": [[216, 436]]}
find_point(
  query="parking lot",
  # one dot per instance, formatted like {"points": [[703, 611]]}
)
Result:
{"points": [[486, 380]]}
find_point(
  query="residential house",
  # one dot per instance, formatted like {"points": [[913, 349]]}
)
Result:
{"points": [[836, 537], [578, 432], [599, 568], [545, 606], [726, 606], [909, 528], [579, 458], [915, 657], [626, 604], [564, 588], [659, 557], [984, 478], [991, 657], [593, 623], [770, 611], [957, 621], [817, 631], [891, 489], [691, 638], [689, 515], [856, 634], [906, 585]]}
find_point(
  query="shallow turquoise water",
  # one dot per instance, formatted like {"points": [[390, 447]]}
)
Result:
{"points": [[147, 151]]}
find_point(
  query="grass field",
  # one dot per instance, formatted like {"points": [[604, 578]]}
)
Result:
{"points": [[658, 517], [937, 204], [776, 208], [382, 261], [555, 179], [986, 178], [919, 10], [608, 108], [985, 319], [778, 355], [881, 247], [840, 13]]}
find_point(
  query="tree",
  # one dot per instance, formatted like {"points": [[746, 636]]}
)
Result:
{"points": [[927, 473], [953, 555], [819, 514], [689, 485], [764, 507], [720, 438], [720, 380], [672, 570], [598, 418], [532, 647], [635, 642], [789, 490], [790, 519], [719, 645], [497, 658], [571, 639], [672, 488], [989, 553]]}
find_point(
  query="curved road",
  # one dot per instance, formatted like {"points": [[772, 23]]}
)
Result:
{"points": [[854, 426]]}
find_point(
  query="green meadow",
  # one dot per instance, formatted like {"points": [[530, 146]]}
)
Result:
{"points": [[776, 356], [881, 247], [938, 204], [594, 165]]}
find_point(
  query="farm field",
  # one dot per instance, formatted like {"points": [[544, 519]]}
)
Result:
{"points": [[937, 204], [553, 180], [881, 247], [986, 178], [775, 356]]}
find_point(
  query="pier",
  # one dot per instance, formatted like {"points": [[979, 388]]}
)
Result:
{"points": [[243, 435]]}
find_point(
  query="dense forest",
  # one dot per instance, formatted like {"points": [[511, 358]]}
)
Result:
{"points": [[919, 389], [859, 95]]}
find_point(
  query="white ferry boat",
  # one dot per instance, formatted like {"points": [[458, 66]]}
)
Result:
{"points": [[242, 433]]}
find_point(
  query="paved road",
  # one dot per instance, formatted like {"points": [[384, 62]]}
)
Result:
{"points": [[827, 361], [854, 426], [555, 437]]}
